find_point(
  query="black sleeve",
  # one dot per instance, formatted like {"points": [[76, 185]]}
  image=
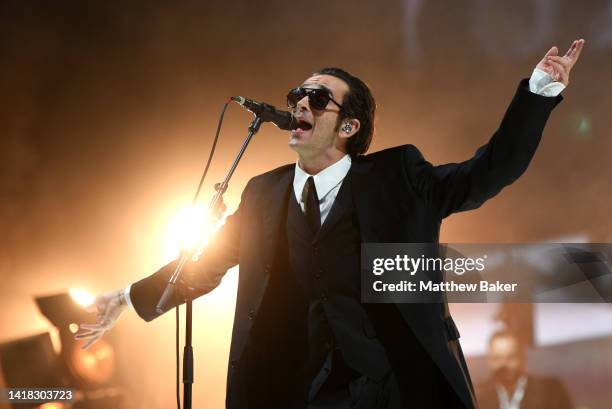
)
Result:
{"points": [[456, 187], [198, 277]]}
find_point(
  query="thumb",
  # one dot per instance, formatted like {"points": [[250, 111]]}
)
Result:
{"points": [[553, 51]]}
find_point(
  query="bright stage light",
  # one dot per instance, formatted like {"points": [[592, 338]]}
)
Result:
{"points": [[189, 230], [51, 405], [82, 297], [91, 368], [94, 366]]}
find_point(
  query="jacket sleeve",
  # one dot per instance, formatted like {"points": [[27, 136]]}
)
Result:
{"points": [[456, 187], [198, 277]]}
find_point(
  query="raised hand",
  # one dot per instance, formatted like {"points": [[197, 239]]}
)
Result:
{"points": [[109, 307], [559, 67]]}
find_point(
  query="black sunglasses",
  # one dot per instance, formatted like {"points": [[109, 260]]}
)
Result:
{"points": [[318, 98]]}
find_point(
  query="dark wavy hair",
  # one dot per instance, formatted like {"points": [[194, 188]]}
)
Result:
{"points": [[358, 103]]}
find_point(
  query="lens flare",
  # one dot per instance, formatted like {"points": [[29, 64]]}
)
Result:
{"points": [[51, 405], [190, 230], [93, 366], [82, 297]]}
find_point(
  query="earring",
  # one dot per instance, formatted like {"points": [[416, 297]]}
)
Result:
{"points": [[347, 128]]}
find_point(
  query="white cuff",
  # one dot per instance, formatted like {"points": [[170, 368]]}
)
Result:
{"points": [[126, 294], [542, 84]]}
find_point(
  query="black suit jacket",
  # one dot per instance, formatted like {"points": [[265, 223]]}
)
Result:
{"points": [[540, 393], [399, 197]]}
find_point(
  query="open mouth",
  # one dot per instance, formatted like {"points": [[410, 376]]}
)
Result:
{"points": [[303, 125]]}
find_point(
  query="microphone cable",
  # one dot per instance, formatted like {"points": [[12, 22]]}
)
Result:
{"points": [[195, 198]]}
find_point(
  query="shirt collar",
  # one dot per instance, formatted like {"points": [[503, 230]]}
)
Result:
{"points": [[325, 180]]}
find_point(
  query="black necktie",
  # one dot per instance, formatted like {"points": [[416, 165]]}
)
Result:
{"points": [[311, 205]]}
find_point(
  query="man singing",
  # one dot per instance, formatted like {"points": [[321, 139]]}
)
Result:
{"points": [[301, 336]]}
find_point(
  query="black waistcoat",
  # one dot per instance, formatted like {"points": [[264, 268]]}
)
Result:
{"points": [[313, 302], [326, 267]]}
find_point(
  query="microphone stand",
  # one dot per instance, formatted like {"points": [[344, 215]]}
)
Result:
{"points": [[214, 209]]}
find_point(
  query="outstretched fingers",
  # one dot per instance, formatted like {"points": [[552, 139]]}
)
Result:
{"points": [[92, 341], [100, 326], [575, 49], [86, 335], [553, 51], [561, 72]]}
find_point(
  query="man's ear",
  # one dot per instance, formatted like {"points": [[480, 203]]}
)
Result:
{"points": [[349, 127]]}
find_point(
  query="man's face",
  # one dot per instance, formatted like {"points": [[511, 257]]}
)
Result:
{"points": [[324, 133], [506, 359]]}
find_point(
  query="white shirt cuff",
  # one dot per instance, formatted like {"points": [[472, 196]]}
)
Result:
{"points": [[126, 294], [542, 84]]}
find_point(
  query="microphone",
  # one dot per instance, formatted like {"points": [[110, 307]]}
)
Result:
{"points": [[282, 119]]}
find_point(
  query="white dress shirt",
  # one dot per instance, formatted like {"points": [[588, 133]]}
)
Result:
{"points": [[329, 180], [541, 83], [327, 183], [514, 402]]}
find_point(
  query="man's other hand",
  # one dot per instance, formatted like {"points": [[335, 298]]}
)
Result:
{"points": [[559, 67], [109, 307]]}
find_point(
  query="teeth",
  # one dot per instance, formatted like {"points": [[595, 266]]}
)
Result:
{"points": [[302, 125]]}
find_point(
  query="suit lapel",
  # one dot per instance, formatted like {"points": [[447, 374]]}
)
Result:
{"points": [[363, 191], [274, 210]]}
